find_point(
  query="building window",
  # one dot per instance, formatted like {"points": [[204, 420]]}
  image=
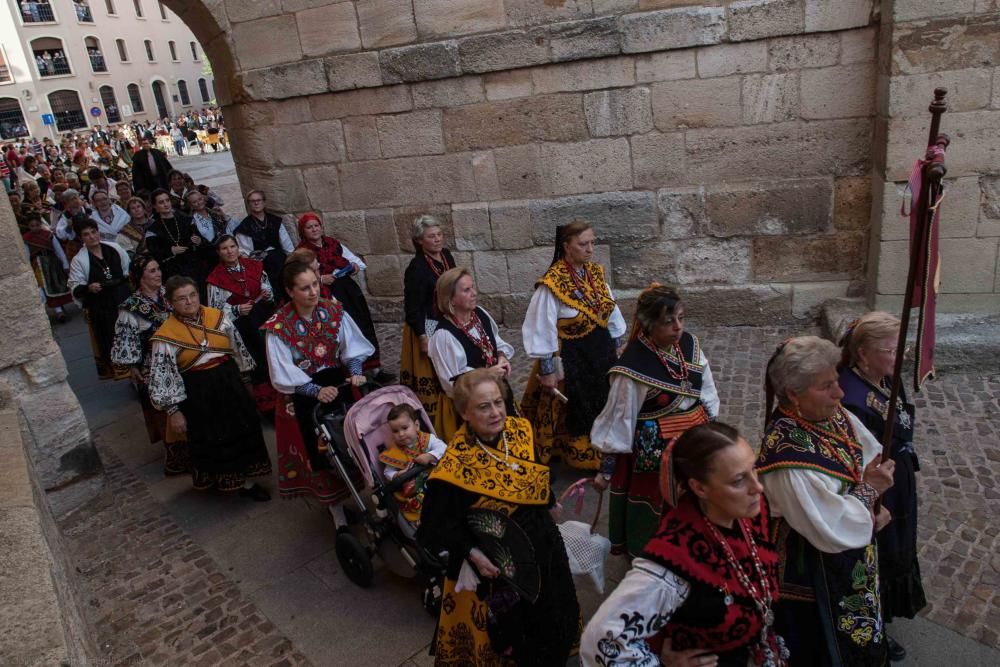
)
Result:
{"points": [[12, 123], [83, 13], [50, 57], [66, 108], [5, 76], [110, 4], [194, 50], [36, 12], [95, 54], [111, 111], [163, 11], [135, 98], [149, 51], [173, 50], [182, 88], [203, 89], [138, 8]]}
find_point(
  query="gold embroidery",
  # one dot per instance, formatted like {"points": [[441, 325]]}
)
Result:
{"points": [[174, 331], [559, 280]]}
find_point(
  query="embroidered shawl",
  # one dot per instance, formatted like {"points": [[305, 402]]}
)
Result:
{"points": [[330, 254], [177, 333], [592, 298], [789, 446], [640, 364], [315, 341], [243, 286], [400, 457], [140, 305]]}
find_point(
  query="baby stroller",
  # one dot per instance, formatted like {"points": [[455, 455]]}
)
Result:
{"points": [[355, 439]]}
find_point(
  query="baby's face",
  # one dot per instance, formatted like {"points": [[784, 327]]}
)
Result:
{"points": [[404, 430]]}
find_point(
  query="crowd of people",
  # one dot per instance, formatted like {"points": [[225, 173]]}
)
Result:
{"points": [[798, 552]]}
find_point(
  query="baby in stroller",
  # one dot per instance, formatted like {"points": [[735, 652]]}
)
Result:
{"points": [[411, 446]]}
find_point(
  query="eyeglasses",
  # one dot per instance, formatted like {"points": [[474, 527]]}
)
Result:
{"points": [[256, 201]]}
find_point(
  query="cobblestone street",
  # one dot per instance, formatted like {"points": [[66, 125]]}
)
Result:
{"points": [[173, 577]]}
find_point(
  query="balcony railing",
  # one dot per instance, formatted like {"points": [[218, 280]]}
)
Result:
{"points": [[5, 74], [83, 14], [97, 63], [55, 66], [37, 12]]}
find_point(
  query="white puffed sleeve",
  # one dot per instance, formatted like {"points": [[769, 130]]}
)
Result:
{"points": [[616, 323], [539, 333], [352, 258], [126, 350], [241, 355], [614, 429], [166, 385], [285, 375], [285, 239], [448, 358], [436, 447], [636, 611], [709, 392], [351, 343], [218, 298]]}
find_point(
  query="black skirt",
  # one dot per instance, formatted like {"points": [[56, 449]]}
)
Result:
{"points": [[899, 570], [347, 292], [249, 328], [223, 429], [586, 362]]}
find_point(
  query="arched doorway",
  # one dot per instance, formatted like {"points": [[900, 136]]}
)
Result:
{"points": [[68, 111], [160, 96]]}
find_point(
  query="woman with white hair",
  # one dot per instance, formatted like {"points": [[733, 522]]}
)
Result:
{"points": [[823, 472]]}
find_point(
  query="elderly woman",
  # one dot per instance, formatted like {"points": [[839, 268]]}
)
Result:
{"points": [[111, 218], [337, 265], [421, 314], [48, 261], [490, 467], [867, 366], [98, 278], [466, 337], [263, 236], [661, 386], [139, 316], [572, 328], [703, 589], [132, 236], [197, 357], [211, 223], [822, 472]]}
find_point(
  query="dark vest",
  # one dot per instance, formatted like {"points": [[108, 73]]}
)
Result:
{"points": [[473, 355]]}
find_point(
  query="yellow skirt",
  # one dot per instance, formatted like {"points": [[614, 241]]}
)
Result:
{"points": [[417, 373], [462, 639], [548, 415]]}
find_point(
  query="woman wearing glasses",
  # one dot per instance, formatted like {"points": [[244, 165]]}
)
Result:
{"points": [[262, 236]]}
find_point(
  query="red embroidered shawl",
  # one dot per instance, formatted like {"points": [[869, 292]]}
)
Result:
{"points": [[243, 286], [330, 254], [314, 342]]}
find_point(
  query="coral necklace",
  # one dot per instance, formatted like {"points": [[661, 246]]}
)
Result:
{"points": [[482, 342]]}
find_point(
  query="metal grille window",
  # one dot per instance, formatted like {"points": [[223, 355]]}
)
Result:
{"points": [[50, 57], [135, 98], [83, 13], [12, 123], [66, 108], [203, 89], [95, 54], [36, 12], [182, 88], [110, 104], [149, 51]]}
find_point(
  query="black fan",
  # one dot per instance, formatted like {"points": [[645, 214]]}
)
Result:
{"points": [[508, 547]]}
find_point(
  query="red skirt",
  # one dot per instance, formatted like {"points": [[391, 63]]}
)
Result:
{"points": [[296, 474]]}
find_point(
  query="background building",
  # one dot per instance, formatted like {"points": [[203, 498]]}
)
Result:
{"points": [[127, 59]]}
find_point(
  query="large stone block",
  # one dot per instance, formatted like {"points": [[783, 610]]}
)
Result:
{"points": [[318, 142], [45, 371], [968, 266], [21, 342], [808, 298], [448, 92], [503, 50], [386, 22], [420, 62], [388, 99], [756, 19], [484, 171], [975, 131], [510, 224], [256, 45], [13, 259], [672, 29], [696, 103], [838, 92], [472, 226], [960, 42], [323, 188], [598, 165], [852, 203], [666, 66], [995, 101], [508, 85], [832, 257], [518, 171], [968, 90], [823, 15], [307, 77], [602, 7], [349, 228], [446, 17], [409, 180], [361, 138], [682, 212], [683, 262], [658, 159], [414, 133], [592, 38], [328, 29], [618, 112], [770, 98], [858, 46], [383, 236], [960, 211], [525, 267], [909, 10], [248, 11], [285, 188], [788, 54], [617, 217], [356, 70], [384, 276], [726, 59], [512, 122], [490, 269], [747, 305], [584, 75], [989, 221], [59, 442], [532, 12], [775, 208]]}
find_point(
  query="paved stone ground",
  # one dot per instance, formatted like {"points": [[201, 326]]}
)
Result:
{"points": [[176, 577]]}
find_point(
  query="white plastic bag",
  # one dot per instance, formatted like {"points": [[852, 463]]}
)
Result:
{"points": [[585, 547]]}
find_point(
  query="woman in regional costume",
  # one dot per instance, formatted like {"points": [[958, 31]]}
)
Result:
{"points": [[337, 266], [240, 286], [194, 377], [867, 366], [431, 260], [661, 386], [822, 472], [572, 319], [466, 337], [263, 236], [312, 346], [702, 591], [49, 263], [132, 236], [98, 277], [139, 316], [176, 244], [490, 467]]}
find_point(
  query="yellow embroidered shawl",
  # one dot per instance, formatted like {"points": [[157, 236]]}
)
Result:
{"points": [[467, 466], [177, 333], [562, 285], [399, 457]]}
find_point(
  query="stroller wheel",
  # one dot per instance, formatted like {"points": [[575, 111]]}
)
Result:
{"points": [[354, 558]]}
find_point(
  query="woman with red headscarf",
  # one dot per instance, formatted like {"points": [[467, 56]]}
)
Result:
{"points": [[336, 266]]}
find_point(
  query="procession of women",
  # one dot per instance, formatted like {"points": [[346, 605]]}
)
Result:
{"points": [[799, 549]]}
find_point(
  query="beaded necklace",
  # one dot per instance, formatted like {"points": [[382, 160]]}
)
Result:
{"points": [[175, 237], [105, 269], [839, 433], [483, 342], [505, 461], [433, 264], [203, 343], [682, 373], [592, 299]]}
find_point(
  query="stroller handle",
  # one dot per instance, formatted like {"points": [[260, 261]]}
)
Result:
{"points": [[402, 478], [319, 408]]}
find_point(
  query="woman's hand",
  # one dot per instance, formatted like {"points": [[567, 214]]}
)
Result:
{"points": [[694, 657], [178, 249], [879, 475], [94, 288], [327, 279], [178, 424], [327, 394], [355, 269], [601, 483], [423, 345], [503, 363], [549, 381], [358, 380], [195, 239], [483, 565], [245, 308], [556, 512], [882, 519]]}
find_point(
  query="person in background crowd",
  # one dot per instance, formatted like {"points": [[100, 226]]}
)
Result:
{"points": [[150, 167], [175, 242], [73, 209], [123, 190], [178, 191], [111, 218], [49, 263], [211, 223], [99, 181], [263, 236], [132, 236]]}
